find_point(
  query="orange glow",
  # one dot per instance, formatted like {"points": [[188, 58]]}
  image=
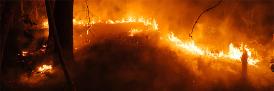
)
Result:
{"points": [[39, 74], [44, 69], [134, 31], [233, 53], [149, 22], [24, 53]]}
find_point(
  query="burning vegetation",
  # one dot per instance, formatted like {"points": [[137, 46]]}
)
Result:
{"points": [[37, 75], [144, 46]]}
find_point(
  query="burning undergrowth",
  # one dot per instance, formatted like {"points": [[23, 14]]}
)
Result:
{"points": [[111, 58], [142, 62], [38, 75], [131, 54]]}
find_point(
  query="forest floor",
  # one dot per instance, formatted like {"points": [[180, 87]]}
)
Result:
{"points": [[119, 62]]}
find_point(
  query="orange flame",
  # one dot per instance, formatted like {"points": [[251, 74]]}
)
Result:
{"points": [[149, 22], [38, 75], [234, 53], [44, 69], [134, 31], [24, 53]]}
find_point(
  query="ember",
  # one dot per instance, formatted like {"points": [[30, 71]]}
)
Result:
{"points": [[37, 76], [45, 69], [24, 53]]}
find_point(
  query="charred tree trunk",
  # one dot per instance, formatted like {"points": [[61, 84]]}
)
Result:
{"points": [[63, 15], [61, 32], [8, 18]]}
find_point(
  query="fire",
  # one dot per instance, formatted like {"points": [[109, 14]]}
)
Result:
{"points": [[134, 31], [44, 69], [149, 22], [233, 53], [190, 46], [24, 53], [39, 74], [45, 24]]}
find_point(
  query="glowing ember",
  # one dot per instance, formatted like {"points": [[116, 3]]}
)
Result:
{"points": [[44, 48], [45, 24], [38, 75], [45, 69], [24, 53], [234, 53]]}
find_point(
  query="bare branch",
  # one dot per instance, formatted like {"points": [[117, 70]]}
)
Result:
{"points": [[207, 10]]}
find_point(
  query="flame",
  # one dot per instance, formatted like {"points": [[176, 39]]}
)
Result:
{"points": [[233, 53], [134, 31], [45, 24], [44, 69], [149, 22], [24, 53], [38, 75]]}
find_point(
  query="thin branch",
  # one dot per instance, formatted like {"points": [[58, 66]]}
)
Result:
{"points": [[208, 9], [86, 1], [89, 26]]}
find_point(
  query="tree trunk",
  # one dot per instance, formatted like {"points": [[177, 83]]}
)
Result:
{"points": [[63, 15], [63, 47], [7, 20]]}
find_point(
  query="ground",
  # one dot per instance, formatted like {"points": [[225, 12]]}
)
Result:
{"points": [[119, 62]]}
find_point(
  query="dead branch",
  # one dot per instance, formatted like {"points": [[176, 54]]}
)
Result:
{"points": [[207, 10]]}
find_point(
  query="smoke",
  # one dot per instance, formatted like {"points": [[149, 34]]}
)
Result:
{"points": [[115, 61], [248, 21], [234, 21]]}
